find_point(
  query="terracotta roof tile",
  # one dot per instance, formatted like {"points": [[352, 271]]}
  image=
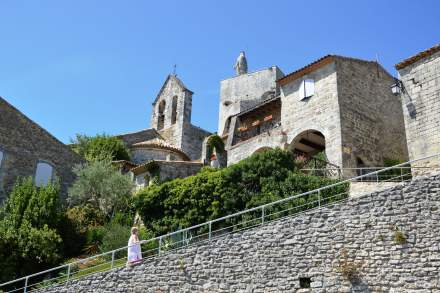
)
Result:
{"points": [[161, 144], [327, 59], [418, 57]]}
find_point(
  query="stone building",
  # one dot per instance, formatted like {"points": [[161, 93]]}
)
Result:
{"points": [[337, 105], [172, 147], [420, 94], [26, 149]]}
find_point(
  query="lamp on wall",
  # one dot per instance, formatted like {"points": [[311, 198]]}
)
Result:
{"points": [[397, 87]]}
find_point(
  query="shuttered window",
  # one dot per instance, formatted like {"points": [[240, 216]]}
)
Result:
{"points": [[306, 89], [43, 174]]}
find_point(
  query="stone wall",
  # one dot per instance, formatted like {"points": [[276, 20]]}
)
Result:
{"points": [[141, 155], [24, 143], [422, 83], [269, 140], [138, 136], [169, 170], [372, 124], [391, 238], [192, 141]]}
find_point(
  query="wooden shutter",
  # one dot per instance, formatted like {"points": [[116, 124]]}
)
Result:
{"points": [[309, 88]]}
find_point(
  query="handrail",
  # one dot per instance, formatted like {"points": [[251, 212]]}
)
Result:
{"points": [[209, 223]]}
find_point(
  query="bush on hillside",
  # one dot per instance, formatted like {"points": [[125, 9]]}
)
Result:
{"points": [[102, 186], [262, 178], [100, 147], [29, 237]]}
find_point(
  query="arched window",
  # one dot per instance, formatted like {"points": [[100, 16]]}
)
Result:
{"points": [[161, 115], [43, 174], [1, 158], [174, 110]]}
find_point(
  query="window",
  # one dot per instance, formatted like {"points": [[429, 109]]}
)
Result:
{"points": [[1, 157], [161, 115], [305, 282], [43, 175], [306, 89], [174, 110]]}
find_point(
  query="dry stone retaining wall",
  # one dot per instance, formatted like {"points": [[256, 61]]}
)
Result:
{"points": [[392, 237]]}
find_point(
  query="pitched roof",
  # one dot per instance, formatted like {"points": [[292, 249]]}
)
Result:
{"points": [[161, 144], [327, 59], [417, 57], [177, 80]]}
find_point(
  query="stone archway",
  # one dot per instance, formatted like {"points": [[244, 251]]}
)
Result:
{"points": [[309, 143], [262, 149]]}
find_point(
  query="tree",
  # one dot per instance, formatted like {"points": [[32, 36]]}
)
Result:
{"points": [[100, 147], [29, 239], [102, 186]]}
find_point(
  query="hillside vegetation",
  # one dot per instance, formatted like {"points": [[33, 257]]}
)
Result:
{"points": [[262, 178]]}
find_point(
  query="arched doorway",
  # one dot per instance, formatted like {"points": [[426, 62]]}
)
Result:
{"points": [[308, 143]]}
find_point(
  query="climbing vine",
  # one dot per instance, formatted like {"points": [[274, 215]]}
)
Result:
{"points": [[215, 142]]}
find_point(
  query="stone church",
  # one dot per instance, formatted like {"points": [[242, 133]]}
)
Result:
{"points": [[172, 147]]}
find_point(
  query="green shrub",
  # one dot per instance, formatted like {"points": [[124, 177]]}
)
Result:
{"points": [[100, 147], [212, 193], [84, 217], [399, 237], [93, 239], [29, 236]]}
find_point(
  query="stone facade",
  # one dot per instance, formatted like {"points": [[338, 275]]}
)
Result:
{"points": [[391, 238], [420, 76], [24, 144], [351, 114], [166, 170]]}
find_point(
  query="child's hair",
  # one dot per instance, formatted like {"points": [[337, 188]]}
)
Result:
{"points": [[134, 230]]}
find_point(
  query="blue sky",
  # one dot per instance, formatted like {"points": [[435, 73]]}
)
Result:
{"points": [[96, 66]]}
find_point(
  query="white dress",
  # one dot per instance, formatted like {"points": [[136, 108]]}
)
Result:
{"points": [[134, 250]]}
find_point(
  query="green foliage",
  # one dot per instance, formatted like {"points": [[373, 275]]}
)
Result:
{"points": [[212, 193], [399, 237], [102, 186], [29, 239], [403, 173], [93, 239], [115, 236], [100, 147], [348, 268], [84, 217], [215, 142]]}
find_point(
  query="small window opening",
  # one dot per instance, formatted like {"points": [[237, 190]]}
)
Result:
{"points": [[43, 174], [304, 282], [161, 115], [174, 110], [1, 157]]}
